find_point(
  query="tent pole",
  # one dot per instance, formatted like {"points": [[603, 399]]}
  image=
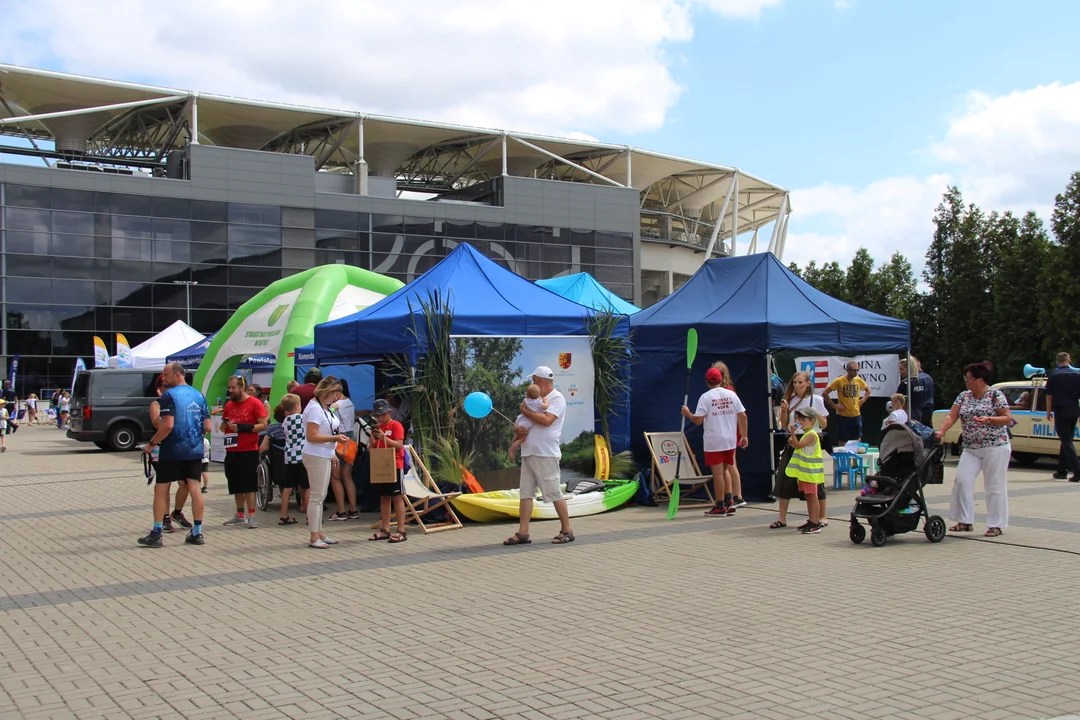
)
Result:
{"points": [[907, 369], [772, 413]]}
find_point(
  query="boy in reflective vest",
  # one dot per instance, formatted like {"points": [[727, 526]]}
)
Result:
{"points": [[806, 466]]}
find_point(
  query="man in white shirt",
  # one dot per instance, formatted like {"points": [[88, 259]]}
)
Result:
{"points": [[724, 418], [540, 455]]}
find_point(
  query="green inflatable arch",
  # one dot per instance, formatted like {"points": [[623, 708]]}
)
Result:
{"points": [[319, 288]]}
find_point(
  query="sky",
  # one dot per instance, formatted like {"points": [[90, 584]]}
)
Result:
{"points": [[867, 110]]}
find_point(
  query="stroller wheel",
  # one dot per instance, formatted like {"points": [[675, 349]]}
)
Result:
{"points": [[934, 528], [857, 533], [878, 537]]}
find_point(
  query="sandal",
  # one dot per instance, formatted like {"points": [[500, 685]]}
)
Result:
{"points": [[961, 527], [992, 532], [318, 545], [381, 535], [286, 521], [777, 525], [562, 538], [517, 539], [398, 537]]}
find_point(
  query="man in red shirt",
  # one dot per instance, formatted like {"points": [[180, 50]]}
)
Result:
{"points": [[307, 391], [243, 418]]}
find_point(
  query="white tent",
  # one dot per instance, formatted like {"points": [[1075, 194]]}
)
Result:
{"points": [[152, 353]]}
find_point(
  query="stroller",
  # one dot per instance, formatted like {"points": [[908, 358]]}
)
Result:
{"points": [[909, 461]]}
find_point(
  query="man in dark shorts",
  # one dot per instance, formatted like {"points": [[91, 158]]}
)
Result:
{"points": [[184, 421], [243, 418]]}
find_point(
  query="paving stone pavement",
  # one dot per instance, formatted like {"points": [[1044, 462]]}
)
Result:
{"points": [[640, 618]]}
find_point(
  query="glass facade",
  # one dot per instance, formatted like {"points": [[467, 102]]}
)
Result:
{"points": [[82, 263]]}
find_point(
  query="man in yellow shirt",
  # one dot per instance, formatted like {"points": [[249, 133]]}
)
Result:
{"points": [[851, 392]]}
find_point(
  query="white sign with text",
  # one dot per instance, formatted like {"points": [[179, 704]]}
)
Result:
{"points": [[881, 372]]}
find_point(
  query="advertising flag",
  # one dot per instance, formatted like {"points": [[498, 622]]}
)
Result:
{"points": [[79, 367], [101, 353], [123, 352], [13, 369]]}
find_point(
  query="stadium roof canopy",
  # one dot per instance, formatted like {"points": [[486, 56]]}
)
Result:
{"points": [[126, 123]]}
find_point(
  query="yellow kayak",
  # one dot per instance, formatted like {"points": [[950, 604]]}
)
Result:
{"points": [[504, 504]]}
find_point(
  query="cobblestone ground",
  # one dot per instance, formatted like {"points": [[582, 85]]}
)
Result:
{"points": [[641, 617]]}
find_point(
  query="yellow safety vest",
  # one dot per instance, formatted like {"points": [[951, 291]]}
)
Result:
{"points": [[806, 464]]}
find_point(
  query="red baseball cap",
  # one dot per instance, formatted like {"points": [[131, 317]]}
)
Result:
{"points": [[714, 375]]}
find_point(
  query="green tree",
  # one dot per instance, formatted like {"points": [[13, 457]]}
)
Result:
{"points": [[859, 279], [893, 291], [829, 278], [1060, 294], [1022, 259], [486, 364]]}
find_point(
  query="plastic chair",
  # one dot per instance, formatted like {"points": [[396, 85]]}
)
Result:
{"points": [[849, 464]]}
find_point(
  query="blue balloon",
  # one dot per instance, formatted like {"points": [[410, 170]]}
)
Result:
{"points": [[478, 405]]}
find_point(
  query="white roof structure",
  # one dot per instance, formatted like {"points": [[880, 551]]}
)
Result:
{"points": [[134, 124], [152, 353]]}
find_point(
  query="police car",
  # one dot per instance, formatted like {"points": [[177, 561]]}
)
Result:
{"points": [[1033, 436]]}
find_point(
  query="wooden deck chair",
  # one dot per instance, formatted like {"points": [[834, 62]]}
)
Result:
{"points": [[422, 496], [664, 448]]}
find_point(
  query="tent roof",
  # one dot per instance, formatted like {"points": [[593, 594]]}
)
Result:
{"points": [[753, 304], [486, 299], [584, 289], [176, 337]]}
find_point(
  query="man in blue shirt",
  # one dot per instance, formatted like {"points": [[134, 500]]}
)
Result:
{"points": [[1063, 409], [185, 419]]}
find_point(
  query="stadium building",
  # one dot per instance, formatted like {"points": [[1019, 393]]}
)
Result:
{"points": [[127, 207]]}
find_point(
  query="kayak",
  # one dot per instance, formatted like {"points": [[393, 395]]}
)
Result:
{"points": [[504, 504]]}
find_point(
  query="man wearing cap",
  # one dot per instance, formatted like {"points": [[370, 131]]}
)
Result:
{"points": [[540, 455], [724, 418]]}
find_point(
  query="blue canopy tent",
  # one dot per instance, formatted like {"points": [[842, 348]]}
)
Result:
{"points": [[487, 300], [190, 357], [745, 309], [584, 289]]}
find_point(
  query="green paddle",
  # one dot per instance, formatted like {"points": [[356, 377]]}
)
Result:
{"points": [[691, 353]]}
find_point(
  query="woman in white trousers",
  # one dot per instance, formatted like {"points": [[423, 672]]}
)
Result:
{"points": [[322, 432], [984, 421]]}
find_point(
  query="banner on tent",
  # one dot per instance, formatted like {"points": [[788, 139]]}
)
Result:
{"points": [[570, 358], [881, 372]]}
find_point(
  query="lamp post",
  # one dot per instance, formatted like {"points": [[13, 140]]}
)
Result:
{"points": [[188, 284]]}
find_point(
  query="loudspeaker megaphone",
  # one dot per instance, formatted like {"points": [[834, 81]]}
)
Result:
{"points": [[1031, 371]]}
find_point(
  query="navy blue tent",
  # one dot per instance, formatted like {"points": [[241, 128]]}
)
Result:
{"points": [[487, 300], [743, 309], [190, 357]]}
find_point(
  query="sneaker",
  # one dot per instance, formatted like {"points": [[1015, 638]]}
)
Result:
{"points": [[1060, 476], [178, 516], [236, 520], [192, 539], [739, 502], [166, 525], [1074, 478], [251, 522], [152, 540], [340, 516], [205, 490], [716, 511], [804, 526], [354, 515], [812, 528], [731, 509]]}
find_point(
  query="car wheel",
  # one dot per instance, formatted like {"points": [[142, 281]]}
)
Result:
{"points": [[1025, 458], [122, 437]]}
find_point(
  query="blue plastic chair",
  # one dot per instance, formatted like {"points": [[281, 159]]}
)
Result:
{"points": [[850, 464]]}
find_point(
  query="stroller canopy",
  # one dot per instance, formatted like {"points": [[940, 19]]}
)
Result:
{"points": [[897, 438]]}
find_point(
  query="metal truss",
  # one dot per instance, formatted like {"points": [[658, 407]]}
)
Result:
{"points": [[447, 166], [143, 132], [324, 140]]}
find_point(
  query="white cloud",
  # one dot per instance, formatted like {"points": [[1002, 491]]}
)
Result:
{"points": [[560, 67], [1011, 152]]}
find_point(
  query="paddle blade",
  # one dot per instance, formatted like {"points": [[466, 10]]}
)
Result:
{"points": [[673, 501], [691, 347]]}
